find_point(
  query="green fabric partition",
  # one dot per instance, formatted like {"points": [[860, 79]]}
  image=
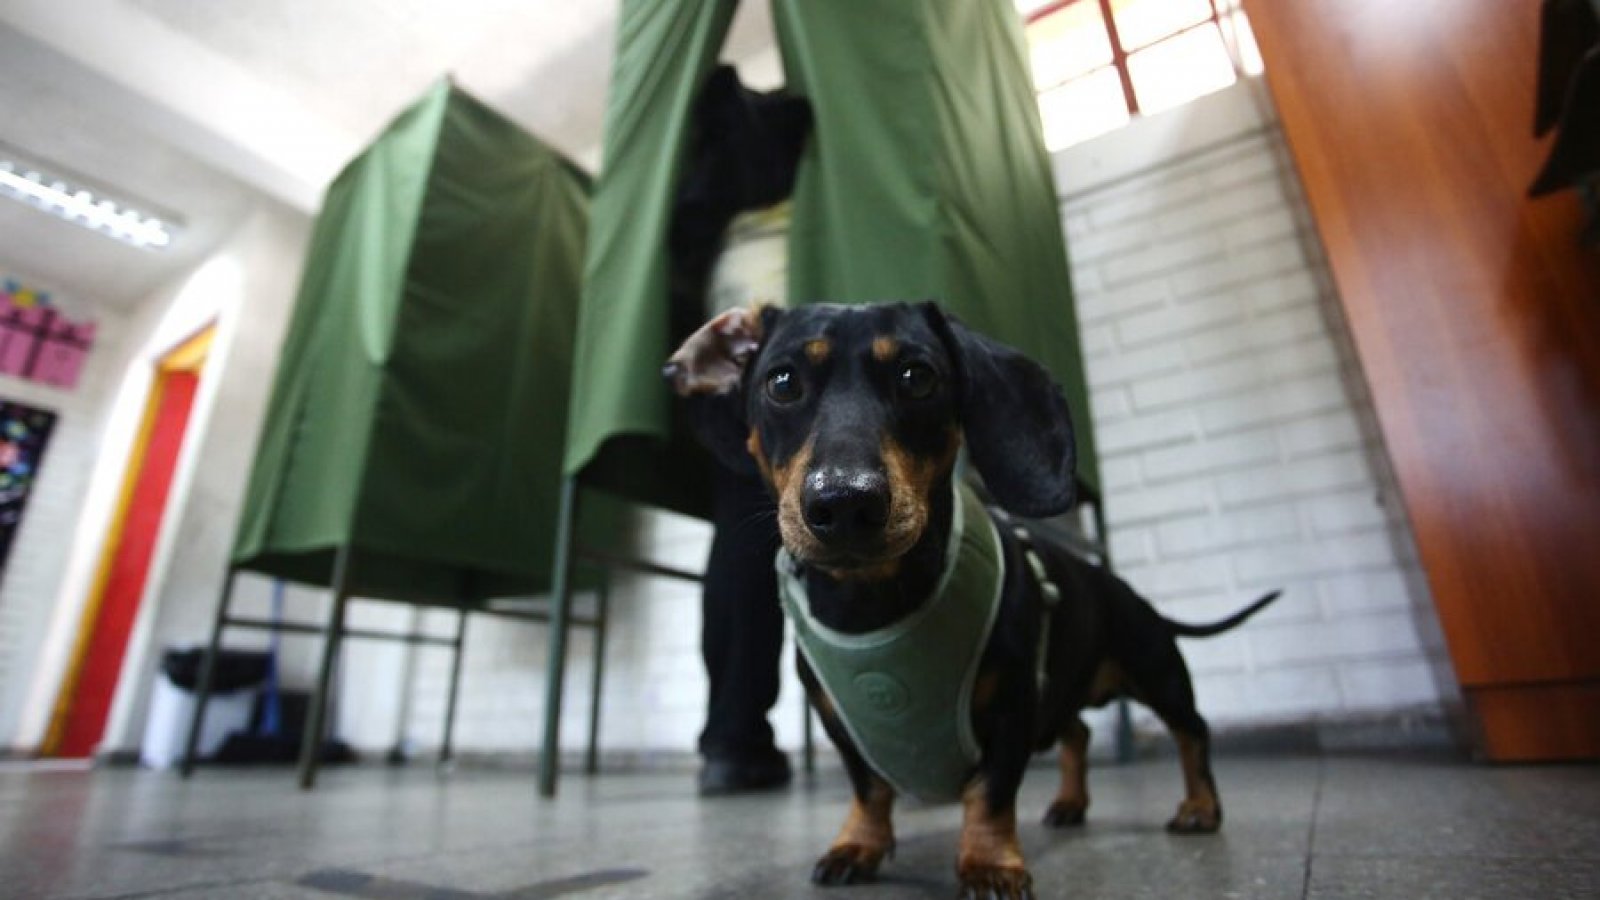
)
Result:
{"points": [[626, 435], [421, 396], [926, 177]]}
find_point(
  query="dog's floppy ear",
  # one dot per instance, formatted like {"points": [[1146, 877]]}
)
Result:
{"points": [[708, 372], [1018, 428], [712, 360]]}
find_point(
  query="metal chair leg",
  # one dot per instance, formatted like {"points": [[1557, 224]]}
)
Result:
{"points": [[311, 742], [400, 752], [1124, 731], [809, 754], [591, 760], [556, 657], [208, 670], [447, 750]]}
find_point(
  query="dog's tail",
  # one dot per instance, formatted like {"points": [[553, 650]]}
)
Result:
{"points": [[1183, 630]]}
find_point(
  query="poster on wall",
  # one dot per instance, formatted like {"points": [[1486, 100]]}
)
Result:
{"points": [[24, 432]]}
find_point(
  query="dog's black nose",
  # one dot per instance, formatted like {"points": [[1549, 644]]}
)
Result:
{"points": [[844, 506]]}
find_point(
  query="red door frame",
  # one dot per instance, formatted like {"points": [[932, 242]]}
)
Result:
{"points": [[84, 703]]}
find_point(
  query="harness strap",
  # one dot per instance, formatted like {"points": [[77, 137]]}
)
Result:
{"points": [[1048, 593]]}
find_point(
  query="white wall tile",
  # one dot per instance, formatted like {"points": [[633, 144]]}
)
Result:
{"points": [[1271, 695], [1353, 637], [1293, 479], [1244, 449], [1355, 510], [1378, 685], [1262, 525], [1145, 431], [1176, 578]]}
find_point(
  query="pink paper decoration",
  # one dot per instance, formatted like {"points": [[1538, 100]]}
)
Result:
{"points": [[37, 342]]}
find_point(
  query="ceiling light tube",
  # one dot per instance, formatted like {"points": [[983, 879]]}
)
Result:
{"points": [[81, 206]]}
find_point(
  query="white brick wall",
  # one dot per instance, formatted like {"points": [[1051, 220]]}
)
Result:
{"points": [[1232, 426], [33, 571], [1234, 455], [655, 688]]}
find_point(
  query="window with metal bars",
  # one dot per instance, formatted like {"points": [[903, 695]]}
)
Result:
{"points": [[1099, 63]]}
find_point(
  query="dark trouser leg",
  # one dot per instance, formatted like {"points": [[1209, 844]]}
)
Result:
{"points": [[742, 630]]}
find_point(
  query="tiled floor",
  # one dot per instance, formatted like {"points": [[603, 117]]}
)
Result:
{"points": [[1395, 826]]}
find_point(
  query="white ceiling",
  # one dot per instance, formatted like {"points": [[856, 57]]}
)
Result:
{"points": [[357, 62], [77, 139], [208, 107], [544, 63]]}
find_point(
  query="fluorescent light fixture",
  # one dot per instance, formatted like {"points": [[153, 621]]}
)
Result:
{"points": [[78, 204]]}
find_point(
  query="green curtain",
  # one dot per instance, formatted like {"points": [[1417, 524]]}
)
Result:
{"points": [[926, 177], [626, 435], [422, 391]]}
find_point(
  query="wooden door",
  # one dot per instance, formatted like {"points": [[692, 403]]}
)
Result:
{"points": [[1476, 317]]}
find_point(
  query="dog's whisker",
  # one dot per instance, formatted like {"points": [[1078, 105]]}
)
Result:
{"points": [[756, 519]]}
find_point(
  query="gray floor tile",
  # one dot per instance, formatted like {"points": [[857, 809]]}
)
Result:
{"points": [[1422, 807], [1394, 826], [1453, 878]]}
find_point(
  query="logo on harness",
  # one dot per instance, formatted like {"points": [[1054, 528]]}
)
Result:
{"points": [[883, 692]]}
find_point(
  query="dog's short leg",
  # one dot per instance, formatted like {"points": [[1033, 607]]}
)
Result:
{"points": [[868, 833], [1201, 809], [1161, 681], [1072, 800], [990, 863], [866, 838]]}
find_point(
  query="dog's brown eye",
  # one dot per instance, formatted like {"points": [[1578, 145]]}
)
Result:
{"points": [[783, 386], [918, 381]]}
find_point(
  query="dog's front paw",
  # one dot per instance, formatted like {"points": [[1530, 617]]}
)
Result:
{"points": [[847, 864], [1062, 814], [998, 882], [1195, 817]]}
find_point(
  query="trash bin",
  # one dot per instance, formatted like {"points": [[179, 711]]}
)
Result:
{"points": [[238, 679]]}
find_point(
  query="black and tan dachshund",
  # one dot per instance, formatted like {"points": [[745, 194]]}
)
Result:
{"points": [[855, 417]]}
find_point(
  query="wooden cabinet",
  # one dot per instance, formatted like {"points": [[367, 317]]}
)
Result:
{"points": [[1476, 318]]}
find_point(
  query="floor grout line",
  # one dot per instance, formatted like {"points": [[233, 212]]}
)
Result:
{"points": [[169, 890], [1311, 830]]}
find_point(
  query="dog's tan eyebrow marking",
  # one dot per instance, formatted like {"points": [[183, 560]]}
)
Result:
{"points": [[885, 348], [753, 446], [817, 350]]}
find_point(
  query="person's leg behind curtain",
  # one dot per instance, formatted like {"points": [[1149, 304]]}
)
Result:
{"points": [[741, 640]]}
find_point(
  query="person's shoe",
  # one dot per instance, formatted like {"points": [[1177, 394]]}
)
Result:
{"points": [[724, 775]]}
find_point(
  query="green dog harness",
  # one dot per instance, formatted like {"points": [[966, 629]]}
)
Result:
{"points": [[904, 692]]}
